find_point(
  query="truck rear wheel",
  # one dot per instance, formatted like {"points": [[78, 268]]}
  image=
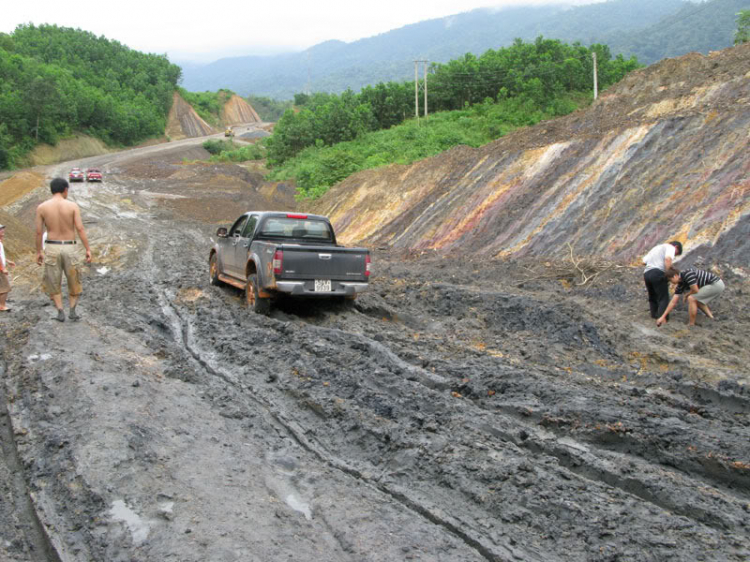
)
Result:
{"points": [[254, 302]]}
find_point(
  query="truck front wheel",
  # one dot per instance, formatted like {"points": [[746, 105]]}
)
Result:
{"points": [[254, 302], [213, 271]]}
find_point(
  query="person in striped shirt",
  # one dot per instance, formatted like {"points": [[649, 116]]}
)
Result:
{"points": [[697, 286]]}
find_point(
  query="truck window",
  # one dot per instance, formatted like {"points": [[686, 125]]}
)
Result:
{"points": [[305, 229], [237, 226], [247, 232]]}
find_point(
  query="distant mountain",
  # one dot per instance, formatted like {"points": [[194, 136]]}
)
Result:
{"points": [[649, 29]]}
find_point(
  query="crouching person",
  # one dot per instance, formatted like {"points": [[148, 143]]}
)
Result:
{"points": [[697, 286]]}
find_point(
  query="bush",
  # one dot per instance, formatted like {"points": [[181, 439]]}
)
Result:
{"points": [[218, 146]]}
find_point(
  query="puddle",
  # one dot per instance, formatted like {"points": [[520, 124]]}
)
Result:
{"points": [[139, 528], [41, 357]]}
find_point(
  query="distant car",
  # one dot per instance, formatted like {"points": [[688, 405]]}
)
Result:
{"points": [[229, 132], [76, 174], [92, 174]]}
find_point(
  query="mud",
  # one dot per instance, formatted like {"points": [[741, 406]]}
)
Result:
{"points": [[462, 410]]}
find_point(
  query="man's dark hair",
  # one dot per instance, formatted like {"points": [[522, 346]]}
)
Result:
{"points": [[58, 185], [678, 247], [671, 272]]}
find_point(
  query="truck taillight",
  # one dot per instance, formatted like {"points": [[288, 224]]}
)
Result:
{"points": [[367, 265], [278, 259]]}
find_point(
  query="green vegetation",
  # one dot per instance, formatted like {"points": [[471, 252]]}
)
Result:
{"points": [[207, 105], [241, 154], [742, 35], [544, 72], [268, 109], [473, 101], [218, 146], [229, 151], [55, 81], [317, 168]]}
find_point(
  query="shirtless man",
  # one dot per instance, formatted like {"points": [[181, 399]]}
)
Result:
{"points": [[62, 219]]}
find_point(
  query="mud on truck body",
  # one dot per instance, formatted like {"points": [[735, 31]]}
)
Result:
{"points": [[273, 254]]}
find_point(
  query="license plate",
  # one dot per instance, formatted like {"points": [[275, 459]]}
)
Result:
{"points": [[322, 285]]}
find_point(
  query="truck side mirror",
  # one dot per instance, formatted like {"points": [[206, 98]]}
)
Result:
{"points": [[222, 232]]}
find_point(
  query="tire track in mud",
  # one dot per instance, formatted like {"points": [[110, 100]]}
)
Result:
{"points": [[298, 435], [580, 459], [183, 338], [593, 465], [33, 530]]}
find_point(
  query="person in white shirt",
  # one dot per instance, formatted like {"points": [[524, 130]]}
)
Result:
{"points": [[657, 261], [4, 276]]}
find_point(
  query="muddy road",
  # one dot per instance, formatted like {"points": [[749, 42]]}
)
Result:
{"points": [[460, 411]]}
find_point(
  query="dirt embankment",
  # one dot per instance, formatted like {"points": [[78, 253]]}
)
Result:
{"points": [[184, 122], [665, 154], [236, 110], [67, 149], [19, 232]]}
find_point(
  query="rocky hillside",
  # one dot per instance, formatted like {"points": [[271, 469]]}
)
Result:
{"points": [[662, 155], [184, 122], [237, 111]]}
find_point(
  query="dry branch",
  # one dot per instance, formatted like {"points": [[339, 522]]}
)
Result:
{"points": [[578, 270]]}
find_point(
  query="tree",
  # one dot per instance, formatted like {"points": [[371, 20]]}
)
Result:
{"points": [[742, 35]]}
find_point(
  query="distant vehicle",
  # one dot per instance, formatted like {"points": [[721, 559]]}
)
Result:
{"points": [[76, 174], [93, 174], [271, 254], [229, 132]]}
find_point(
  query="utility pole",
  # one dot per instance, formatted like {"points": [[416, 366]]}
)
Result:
{"points": [[416, 91], [596, 85], [425, 89], [416, 87]]}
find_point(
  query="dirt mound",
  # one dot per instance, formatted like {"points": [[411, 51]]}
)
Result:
{"points": [[203, 191], [184, 122], [236, 110], [663, 155]]}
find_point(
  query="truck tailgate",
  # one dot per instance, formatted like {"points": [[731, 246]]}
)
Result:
{"points": [[323, 262]]}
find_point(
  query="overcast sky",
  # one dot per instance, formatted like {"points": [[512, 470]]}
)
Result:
{"points": [[207, 30]]}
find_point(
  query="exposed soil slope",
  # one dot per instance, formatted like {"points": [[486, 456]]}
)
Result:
{"points": [[184, 122], [665, 154], [237, 110]]}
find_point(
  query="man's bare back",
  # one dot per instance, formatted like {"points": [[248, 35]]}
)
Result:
{"points": [[62, 219], [59, 216]]}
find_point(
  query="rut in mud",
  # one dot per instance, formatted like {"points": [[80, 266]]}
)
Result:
{"points": [[462, 410]]}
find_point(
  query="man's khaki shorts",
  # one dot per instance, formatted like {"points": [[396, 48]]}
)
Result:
{"points": [[59, 259], [4, 283]]}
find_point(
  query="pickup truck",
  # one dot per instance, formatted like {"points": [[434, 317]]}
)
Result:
{"points": [[272, 254]]}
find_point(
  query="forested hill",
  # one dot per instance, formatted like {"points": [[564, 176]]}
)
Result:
{"points": [[648, 29], [55, 81]]}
